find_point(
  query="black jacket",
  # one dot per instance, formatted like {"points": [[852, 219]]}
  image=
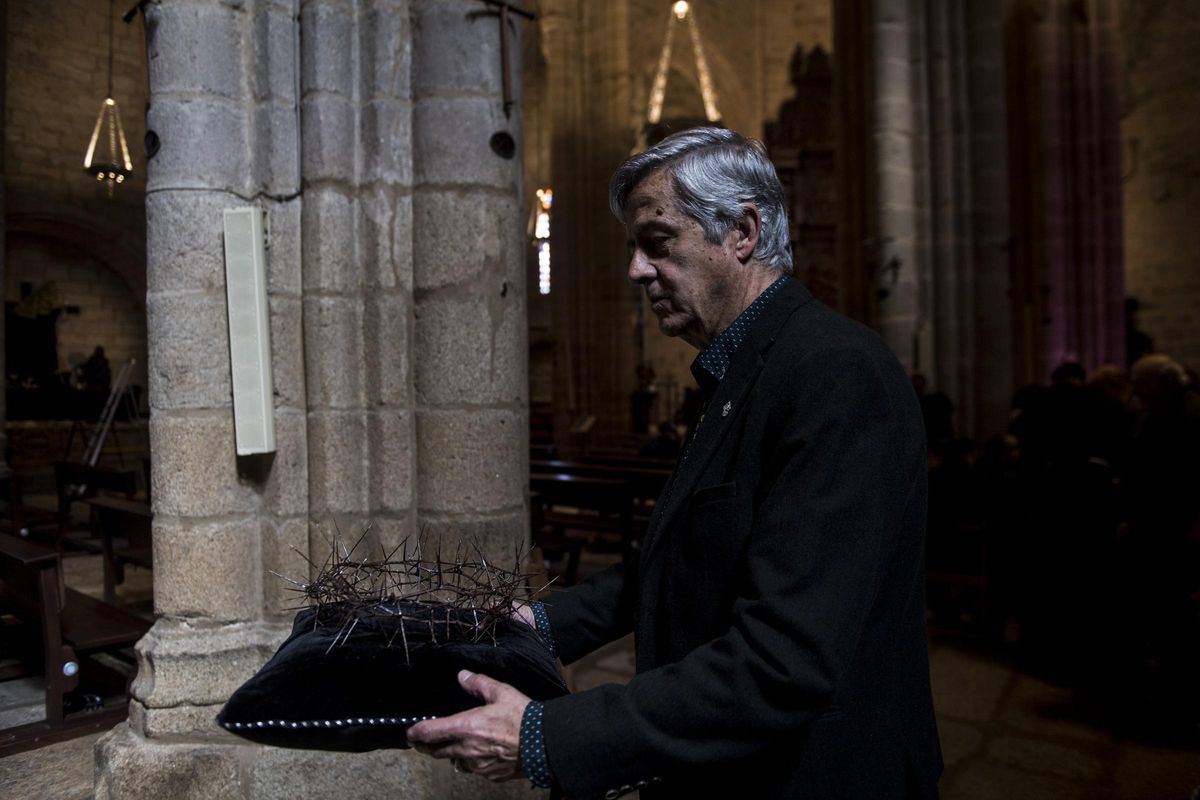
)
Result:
{"points": [[778, 601]]}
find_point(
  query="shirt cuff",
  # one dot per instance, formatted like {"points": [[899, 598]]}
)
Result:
{"points": [[542, 621], [533, 746]]}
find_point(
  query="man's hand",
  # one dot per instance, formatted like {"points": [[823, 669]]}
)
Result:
{"points": [[484, 740], [524, 613]]}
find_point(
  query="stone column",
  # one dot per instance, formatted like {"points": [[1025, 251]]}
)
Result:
{"points": [[982, 39], [357, 266], [468, 293], [468, 282], [383, 222], [305, 109], [940, 252], [898, 249], [1065, 145], [223, 104], [854, 154], [4, 468], [966, 281]]}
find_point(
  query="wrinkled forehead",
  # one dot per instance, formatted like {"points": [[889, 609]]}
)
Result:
{"points": [[652, 196]]}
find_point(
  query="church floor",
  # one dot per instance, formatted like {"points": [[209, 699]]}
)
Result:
{"points": [[1006, 735]]}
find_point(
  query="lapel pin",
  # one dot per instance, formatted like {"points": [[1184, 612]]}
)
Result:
{"points": [[725, 409]]}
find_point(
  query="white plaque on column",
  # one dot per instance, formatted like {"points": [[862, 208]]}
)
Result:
{"points": [[249, 331]]}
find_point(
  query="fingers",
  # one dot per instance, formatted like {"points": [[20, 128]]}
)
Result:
{"points": [[525, 614], [490, 690], [473, 726], [453, 728], [484, 740], [481, 686]]}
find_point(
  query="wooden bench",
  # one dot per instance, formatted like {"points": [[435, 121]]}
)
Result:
{"points": [[117, 519], [72, 626], [647, 478], [23, 519], [77, 482], [567, 505], [634, 462]]}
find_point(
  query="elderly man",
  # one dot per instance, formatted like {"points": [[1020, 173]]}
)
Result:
{"points": [[778, 600]]}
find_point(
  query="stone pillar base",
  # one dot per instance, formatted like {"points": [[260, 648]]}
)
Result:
{"points": [[132, 767], [172, 749]]}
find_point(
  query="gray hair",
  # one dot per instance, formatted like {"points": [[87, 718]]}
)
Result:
{"points": [[714, 171], [1160, 367]]}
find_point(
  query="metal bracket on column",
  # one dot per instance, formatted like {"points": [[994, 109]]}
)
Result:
{"points": [[503, 9], [128, 16]]}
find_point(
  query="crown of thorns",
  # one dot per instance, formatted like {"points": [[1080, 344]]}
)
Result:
{"points": [[433, 597]]}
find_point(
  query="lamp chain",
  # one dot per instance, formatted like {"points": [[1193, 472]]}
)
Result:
{"points": [[111, 11]]}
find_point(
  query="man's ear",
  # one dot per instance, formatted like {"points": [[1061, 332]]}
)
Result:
{"points": [[748, 229]]}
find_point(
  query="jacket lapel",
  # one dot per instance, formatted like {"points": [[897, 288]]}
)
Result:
{"points": [[726, 405]]}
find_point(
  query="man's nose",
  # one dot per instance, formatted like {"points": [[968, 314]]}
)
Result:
{"points": [[640, 269]]}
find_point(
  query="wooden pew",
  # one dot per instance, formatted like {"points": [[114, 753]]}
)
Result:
{"points": [[644, 481], [117, 519], [607, 503], [633, 462], [579, 504], [78, 482], [11, 501], [72, 626], [23, 519]]}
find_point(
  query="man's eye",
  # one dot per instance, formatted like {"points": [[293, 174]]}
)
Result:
{"points": [[657, 245]]}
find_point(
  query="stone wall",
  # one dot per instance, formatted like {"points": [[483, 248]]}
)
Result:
{"points": [[60, 222], [100, 309], [1160, 165], [55, 80]]}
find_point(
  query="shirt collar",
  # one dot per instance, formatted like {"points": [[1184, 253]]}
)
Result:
{"points": [[709, 367]]}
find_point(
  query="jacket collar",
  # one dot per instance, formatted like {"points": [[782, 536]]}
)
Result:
{"points": [[723, 408], [711, 364]]}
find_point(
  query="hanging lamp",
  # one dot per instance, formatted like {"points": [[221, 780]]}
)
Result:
{"points": [[682, 12], [107, 153]]}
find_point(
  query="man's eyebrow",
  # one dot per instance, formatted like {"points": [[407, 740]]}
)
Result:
{"points": [[653, 224]]}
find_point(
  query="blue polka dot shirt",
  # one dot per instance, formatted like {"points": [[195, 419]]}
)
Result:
{"points": [[709, 367], [533, 746]]}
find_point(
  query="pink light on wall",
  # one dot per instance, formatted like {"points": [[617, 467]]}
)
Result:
{"points": [[1080, 177]]}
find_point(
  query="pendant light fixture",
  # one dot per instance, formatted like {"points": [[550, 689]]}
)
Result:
{"points": [[107, 153], [682, 12]]}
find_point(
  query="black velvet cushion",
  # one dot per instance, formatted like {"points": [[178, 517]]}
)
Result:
{"points": [[336, 686]]}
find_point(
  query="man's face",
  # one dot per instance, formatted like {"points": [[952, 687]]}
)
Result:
{"points": [[691, 283]]}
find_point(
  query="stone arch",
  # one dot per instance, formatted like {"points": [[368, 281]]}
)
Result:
{"points": [[106, 247], [99, 286]]}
